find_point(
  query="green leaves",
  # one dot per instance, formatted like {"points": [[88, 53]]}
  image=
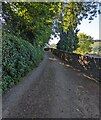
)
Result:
{"points": [[68, 40], [28, 20], [19, 56], [72, 15], [84, 43]]}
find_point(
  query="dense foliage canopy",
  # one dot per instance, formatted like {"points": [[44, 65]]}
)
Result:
{"points": [[19, 56], [85, 43], [27, 26], [70, 17], [32, 21], [68, 40]]}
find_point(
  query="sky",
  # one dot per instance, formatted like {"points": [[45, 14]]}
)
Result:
{"points": [[55, 40], [91, 29]]}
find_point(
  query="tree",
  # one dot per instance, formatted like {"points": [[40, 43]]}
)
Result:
{"points": [[68, 40], [97, 50], [84, 44], [70, 16], [72, 13], [32, 21]]}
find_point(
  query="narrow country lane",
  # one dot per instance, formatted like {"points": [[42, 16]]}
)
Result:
{"points": [[53, 90]]}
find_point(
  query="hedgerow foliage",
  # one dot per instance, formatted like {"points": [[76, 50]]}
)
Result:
{"points": [[19, 57]]}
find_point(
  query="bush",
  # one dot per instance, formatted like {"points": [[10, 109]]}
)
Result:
{"points": [[19, 57]]}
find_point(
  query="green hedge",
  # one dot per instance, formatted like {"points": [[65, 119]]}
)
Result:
{"points": [[19, 57]]}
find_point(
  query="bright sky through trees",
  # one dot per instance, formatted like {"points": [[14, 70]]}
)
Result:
{"points": [[91, 29], [88, 26], [54, 40]]}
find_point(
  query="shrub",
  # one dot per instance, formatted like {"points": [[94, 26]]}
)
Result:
{"points": [[19, 57]]}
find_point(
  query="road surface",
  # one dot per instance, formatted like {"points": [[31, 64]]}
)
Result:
{"points": [[53, 90]]}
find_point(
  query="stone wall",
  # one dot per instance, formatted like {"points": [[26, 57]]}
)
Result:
{"points": [[89, 65]]}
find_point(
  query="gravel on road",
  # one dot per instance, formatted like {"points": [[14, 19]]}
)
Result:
{"points": [[53, 90]]}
